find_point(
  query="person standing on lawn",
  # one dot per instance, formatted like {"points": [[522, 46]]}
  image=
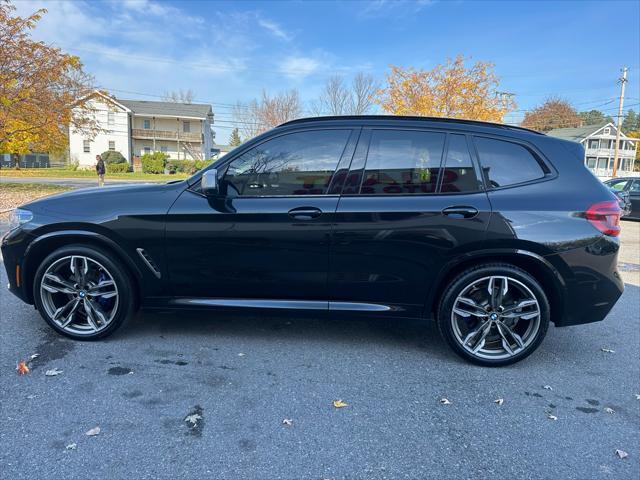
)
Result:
{"points": [[100, 170]]}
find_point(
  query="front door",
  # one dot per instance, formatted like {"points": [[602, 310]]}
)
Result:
{"points": [[412, 201], [265, 240]]}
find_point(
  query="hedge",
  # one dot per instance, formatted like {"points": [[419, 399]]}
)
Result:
{"points": [[111, 156], [154, 162], [117, 167]]}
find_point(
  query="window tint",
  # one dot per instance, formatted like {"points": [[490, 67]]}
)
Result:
{"points": [[295, 164], [635, 187], [618, 184], [402, 162], [458, 174], [506, 163]]}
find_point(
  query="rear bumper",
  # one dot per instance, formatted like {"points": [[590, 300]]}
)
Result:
{"points": [[592, 282]]}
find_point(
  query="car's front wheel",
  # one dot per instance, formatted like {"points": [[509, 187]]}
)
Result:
{"points": [[82, 293], [494, 314]]}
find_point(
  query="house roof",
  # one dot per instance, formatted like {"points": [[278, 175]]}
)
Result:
{"points": [[167, 109], [576, 134]]}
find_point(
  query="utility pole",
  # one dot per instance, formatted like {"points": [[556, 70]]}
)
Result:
{"points": [[623, 81]]}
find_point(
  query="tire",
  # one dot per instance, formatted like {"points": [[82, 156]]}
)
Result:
{"points": [[502, 327], [88, 301]]}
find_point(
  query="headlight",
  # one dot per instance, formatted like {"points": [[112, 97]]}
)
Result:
{"points": [[19, 217]]}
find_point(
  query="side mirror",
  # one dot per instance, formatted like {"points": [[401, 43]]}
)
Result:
{"points": [[209, 183]]}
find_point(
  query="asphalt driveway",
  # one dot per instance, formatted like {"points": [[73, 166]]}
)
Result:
{"points": [[235, 379]]}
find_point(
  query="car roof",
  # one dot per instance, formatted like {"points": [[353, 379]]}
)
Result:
{"points": [[402, 119]]}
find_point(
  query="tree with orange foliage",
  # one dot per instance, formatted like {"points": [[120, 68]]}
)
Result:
{"points": [[39, 86], [448, 90], [553, 113]]}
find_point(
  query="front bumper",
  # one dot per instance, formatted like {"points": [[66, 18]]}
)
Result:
{"points": [[13, 246]]}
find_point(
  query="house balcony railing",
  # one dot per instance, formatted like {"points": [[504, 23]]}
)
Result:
{"points": [[151, 134], [609, 152]]}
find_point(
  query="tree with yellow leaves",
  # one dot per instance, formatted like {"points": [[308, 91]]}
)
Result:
{"points": [[39, 86], [449, 90]]}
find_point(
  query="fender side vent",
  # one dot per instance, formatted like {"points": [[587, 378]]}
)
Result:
{"points": [[146, 258]]}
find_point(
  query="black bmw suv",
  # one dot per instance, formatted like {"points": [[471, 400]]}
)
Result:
{"points": [[494, 231]]}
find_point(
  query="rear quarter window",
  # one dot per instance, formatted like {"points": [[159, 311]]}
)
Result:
{"points": [[505, 163]]}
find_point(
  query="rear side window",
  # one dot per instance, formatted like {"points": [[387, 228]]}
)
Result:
{"points": [[618, 184], [506, 163], [458, 174], [402, 162], [295, 164]]}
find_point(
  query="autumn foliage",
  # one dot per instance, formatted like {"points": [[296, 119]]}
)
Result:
{"points": [[39, 85], [448, 90], [553, 113]]}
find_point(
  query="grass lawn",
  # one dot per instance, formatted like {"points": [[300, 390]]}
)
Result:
{"points": [[64, 173], [13, 195]]}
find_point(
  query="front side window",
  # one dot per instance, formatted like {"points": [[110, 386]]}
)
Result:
{"points": [[458, 174], [635, 187], [506, 163], [402, 162], [300, 163]]}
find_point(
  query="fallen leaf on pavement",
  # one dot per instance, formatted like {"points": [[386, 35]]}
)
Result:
{"points": [[193, 418], [551, 417], [34, 356], [340, 404], [621, 454], [637, 396], [31, 397], [22, 368], [53, 372], [71, 446], [93, 432], [609, 410], [288, 422], [548, 387], [445, 401], [241, 354], [607, 350], [499, 401]]}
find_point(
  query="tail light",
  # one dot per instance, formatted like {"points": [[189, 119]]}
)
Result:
{"points": [[605, 216]]}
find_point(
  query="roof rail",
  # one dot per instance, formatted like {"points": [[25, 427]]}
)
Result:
{"points": [[402, 117]]}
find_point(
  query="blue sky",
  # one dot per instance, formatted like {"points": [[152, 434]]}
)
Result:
{"points": [[230, 51]]}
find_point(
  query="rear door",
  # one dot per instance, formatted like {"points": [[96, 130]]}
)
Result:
{"points": [[634, 196], [412, 201]]}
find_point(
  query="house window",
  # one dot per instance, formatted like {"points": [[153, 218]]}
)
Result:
{"points": [[86, 146], [607, 131], [146, 124], [591, 162], [110, 118], [164, 148], [593, 143], [186, 127], [112, 145], [602, 163], [146, 150]]}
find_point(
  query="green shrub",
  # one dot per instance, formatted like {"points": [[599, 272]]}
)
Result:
{"points": [[117, 167], [200, 164], [111, 156], [73, 166], [154, 162], [181, 166]]}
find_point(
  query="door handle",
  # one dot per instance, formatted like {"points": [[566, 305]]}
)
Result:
{"points": [[460, 212], [305, 213]]}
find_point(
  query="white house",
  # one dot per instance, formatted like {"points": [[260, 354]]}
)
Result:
{"points": [[135, 127], [599, 148]]}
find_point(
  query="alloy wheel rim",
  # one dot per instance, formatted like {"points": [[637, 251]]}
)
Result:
{"points": [[495, 317], [79, 295]]}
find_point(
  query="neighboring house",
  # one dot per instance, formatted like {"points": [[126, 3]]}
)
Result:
{"points": [[599, 146], [219, 151], [136, 127]]}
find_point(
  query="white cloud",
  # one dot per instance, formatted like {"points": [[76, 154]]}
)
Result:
{"points": [[274, 29], [298, 66]]}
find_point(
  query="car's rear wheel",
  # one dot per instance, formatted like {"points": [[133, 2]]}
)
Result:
{"points": [[82, 293], [494, 314]]}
